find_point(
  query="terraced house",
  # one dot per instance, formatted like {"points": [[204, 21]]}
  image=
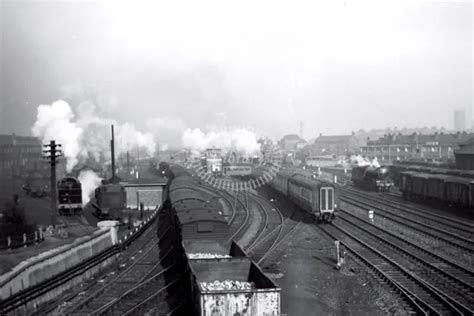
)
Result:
{"points": [[437, 146]]}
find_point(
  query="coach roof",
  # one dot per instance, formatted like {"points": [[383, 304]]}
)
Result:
{"points": [[308, 182], [200, 215]]}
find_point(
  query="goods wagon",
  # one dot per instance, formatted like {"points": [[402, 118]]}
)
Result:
{"points": [[458, 191], [221, 278], [406, 182], [371, 178], [314, 196], [443, 188], [232, 286], [428, 167], [69, 196], [435, 186]]}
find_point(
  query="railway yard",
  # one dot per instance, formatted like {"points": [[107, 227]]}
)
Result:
{"points": [[406, 258]]}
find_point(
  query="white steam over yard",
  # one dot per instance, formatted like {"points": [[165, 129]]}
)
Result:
{"points": [[83, 134], [89, 180], [358, 160], [239, 139]]}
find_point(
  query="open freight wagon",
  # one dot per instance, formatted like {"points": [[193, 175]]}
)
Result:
{"points": [[229, 284]]}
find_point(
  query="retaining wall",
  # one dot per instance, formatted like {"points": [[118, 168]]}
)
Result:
{"points": [[45, 265]]}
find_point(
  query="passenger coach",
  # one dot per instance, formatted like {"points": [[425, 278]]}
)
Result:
{"points": [[316, 197]]}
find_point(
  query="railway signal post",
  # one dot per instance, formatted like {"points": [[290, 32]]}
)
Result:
{"points": [[52, 153]]}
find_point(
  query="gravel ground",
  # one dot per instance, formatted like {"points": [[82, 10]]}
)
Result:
{"points": [[312, 285], [436, 246]]}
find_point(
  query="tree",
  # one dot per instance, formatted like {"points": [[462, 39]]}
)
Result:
{"points": [[13, 212]]}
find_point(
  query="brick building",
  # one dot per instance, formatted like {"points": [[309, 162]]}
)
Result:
{"points": [[337, 145], [19, 154], [465, 156], [291, 142], [438, 146]]}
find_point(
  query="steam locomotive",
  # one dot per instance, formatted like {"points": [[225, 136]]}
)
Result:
{"points": [[372, 178], [69, 196]]}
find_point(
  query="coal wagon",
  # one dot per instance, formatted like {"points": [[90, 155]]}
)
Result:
{"points": [[220, 278]]}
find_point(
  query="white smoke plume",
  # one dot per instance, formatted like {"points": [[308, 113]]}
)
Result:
{"points": [[239, 139], [83, 134], [358, 160], [90, 181]]}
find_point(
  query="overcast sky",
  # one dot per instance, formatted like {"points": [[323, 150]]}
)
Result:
{"points": [[266, 65]]}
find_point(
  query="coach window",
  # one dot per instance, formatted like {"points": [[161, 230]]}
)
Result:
{"points": [[323, 199], [330, 198]]}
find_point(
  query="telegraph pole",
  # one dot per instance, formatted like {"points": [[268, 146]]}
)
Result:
{"points": [[112, 150], [52, 153]]}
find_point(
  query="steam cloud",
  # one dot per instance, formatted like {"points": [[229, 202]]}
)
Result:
{"points": [[358, 160], [84, 135], [240, 140], [89, 180]]}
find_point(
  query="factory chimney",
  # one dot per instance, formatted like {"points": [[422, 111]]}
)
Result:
{"points": [[112, 152]]}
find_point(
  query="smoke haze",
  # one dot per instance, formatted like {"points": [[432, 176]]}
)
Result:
{"points": [[334, 65], [84, 135]]}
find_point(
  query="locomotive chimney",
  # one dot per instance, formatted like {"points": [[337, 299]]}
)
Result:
{"points": [[112, 152]]}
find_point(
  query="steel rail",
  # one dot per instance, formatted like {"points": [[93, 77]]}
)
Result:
{"points": [[425, 230], [427, 297], [23, 297]]}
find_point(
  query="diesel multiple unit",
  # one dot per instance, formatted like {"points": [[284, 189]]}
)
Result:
{"points": [[315, 196]]}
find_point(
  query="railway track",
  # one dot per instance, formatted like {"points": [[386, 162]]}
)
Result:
{"points": [[123, 250], [439, 272], [259, 226], [138, 261], [437, 233], [107, 293], [420, 296], [448, 223], [151, 290], [276, 231], [241, 219], [447, 215]]}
